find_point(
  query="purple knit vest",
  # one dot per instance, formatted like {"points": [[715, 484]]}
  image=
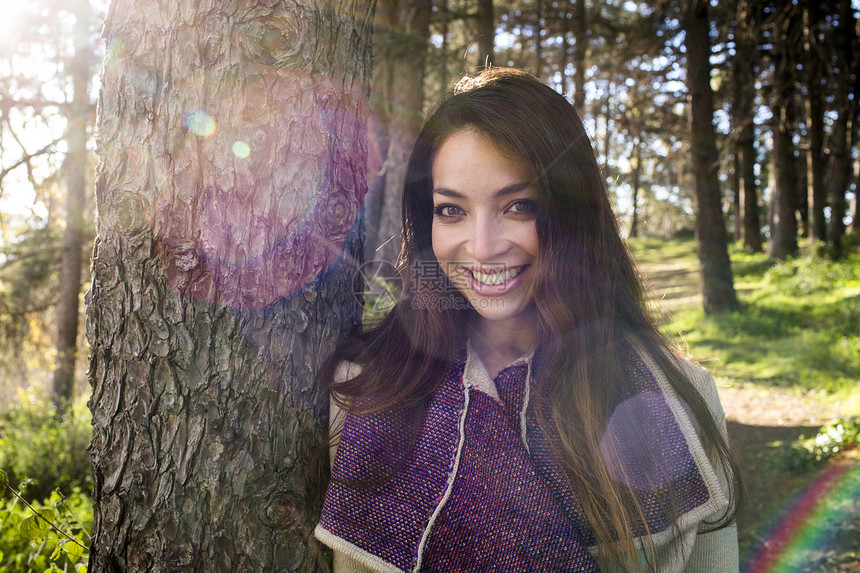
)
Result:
{"points": [[472, 496]]}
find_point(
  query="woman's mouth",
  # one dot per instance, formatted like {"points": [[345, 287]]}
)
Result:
{"points": [[495, 282]]}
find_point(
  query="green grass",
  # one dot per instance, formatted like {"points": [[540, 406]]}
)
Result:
{"points": [[798, 326]]}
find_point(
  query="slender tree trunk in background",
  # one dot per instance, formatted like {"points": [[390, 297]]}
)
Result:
{"points": [[839, 175], [636, 176], [855, 223], [815, 124], [802, 197], [854, 168], [402, 30], [579, 51], [783, 233], [538, 31], [568, 83], [718, 291], [75, 166], [232, 139], [743, 112], [486, 33], [445, 15], [737, 212], [607, 137], [749, 201]]}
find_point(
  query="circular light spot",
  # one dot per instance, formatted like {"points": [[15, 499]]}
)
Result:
{"points": [[200, 123], [241, 149]]}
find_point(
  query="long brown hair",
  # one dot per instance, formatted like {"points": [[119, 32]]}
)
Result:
{"points": [[588, 293]]}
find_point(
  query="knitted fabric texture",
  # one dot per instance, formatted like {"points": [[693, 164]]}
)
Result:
{"points": [[502, 516], [643, 447], [471, 496]]}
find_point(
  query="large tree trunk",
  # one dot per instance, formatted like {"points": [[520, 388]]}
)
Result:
{"points": [[232, 139], [783, 233], [402, 29], [718, 291], [75, 166]]}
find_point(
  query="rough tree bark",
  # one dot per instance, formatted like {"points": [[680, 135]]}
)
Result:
{"points": [[74, 167], [718, 291], [232, 138], [402, 30]]}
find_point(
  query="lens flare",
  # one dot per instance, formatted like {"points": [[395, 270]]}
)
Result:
{"points": [[241, 149], [200, 123], [807, 526]]}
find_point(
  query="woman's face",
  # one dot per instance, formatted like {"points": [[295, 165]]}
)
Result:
{"points": [[484, 235]]}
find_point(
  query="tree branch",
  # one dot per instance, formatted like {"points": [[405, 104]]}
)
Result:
{"points": [[25, 159]]}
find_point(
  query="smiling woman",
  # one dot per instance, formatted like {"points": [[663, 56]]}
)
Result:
{"points": [[517, 409]]}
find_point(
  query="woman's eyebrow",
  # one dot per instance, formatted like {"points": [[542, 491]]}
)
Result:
{"points": [[507, 190]]}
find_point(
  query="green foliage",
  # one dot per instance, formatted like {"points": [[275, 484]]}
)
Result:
{"points": [[799, 325], [28, 287], [807, 453], [813, 274], [42, 452], [49, 536]]}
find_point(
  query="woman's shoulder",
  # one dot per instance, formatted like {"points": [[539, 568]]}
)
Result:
{"points": [[691, 371], [702, 381]]}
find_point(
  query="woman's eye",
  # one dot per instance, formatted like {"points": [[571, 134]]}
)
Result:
{"points": [[523, 207], [446, 210]]}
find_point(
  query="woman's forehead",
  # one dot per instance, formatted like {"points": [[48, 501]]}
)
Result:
{"points": [[470, 160]]}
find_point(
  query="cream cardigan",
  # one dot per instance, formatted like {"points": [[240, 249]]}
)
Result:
{"points": [[687, 551]]}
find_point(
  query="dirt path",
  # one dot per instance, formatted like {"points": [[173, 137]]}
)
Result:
{"points": [[758, 418]]}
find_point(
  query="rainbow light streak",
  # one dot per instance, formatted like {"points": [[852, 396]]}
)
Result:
{"points": [[804, 528]]}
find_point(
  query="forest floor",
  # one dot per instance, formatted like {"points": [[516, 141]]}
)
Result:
{"points": [[793, 520]]}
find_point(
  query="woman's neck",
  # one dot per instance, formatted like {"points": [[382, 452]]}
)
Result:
{"points": [[500, 343]]}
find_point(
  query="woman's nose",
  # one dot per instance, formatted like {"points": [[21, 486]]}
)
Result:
{"points": [[487, 241]]}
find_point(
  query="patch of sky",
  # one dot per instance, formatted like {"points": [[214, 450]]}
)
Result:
{"points": [[722, 121]]}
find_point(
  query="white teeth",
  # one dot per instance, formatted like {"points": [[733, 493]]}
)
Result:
{"points": [[496, 279]]}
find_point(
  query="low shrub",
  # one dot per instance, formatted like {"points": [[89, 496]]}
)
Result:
{"points": [[30, 543], [807, 453]]}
